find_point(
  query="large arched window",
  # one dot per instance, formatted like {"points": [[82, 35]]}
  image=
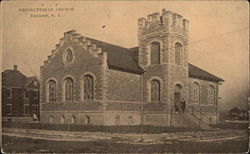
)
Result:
{"points": [[178, 52], [155, 90], [68, 89], [211, 95], [51, 91], [155, 53], [196, 93], [88, 87]]}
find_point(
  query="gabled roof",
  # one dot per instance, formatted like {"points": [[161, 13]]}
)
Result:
{"points": [[120, 58], [30, 80], [196, 72], [13, 78]]}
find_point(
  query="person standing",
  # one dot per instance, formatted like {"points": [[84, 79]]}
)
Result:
{"points": [[183, 105]]}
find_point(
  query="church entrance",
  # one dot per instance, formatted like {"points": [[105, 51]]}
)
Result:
{"points": [[177, 98]]}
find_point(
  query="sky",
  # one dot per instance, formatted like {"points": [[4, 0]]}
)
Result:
{"points": [[218, 35]]}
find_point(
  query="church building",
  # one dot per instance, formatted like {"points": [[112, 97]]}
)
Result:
{"points": [[90, 82]]}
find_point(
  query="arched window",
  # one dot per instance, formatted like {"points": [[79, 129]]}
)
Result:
{"points": [[178, 52], [88, 87], [73, 119], [117, 120], [155, 90], [62, 119], [51, 119], [68, 89], [130, 119], [211, 95], [196, 93], [155, 53], [51, 91], [86, 120]]}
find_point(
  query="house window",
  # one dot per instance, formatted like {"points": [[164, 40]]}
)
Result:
{"points": [[35, 83], [86, 120], [9, 109], [62, 119], [130, 119], [36, 93], [9, 93], [52, 91], [155, 90], [34, 109], [155, 53], [26, 110], [196, 93], [73, 119], [211, 95], [26, 94], [51, 119], [68, 86], [178, 52], [88, 87], [117, 120]]}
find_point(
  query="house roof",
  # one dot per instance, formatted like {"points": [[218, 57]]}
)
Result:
{"points": [[29, 80], [125, 59], [196, 72], [14, 78], [120, 58]]}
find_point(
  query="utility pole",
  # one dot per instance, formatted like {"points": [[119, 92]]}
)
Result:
{"points": [[142, 106], [68, 120]]}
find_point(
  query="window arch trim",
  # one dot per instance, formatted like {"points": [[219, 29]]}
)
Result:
{"points": [[211, 87], [181, 58], [82, 85], [148, 49], [198, 92], [63, 87], [149, 88], [47, 88]]}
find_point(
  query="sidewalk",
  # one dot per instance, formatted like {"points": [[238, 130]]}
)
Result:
{"points": [[196, 136]]}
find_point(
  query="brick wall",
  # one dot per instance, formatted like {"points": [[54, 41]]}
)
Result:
{"points": [[123, 86], [84, 62], [203, 106]]}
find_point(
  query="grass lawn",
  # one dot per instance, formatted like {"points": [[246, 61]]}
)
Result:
{"points": [[15, 144]]}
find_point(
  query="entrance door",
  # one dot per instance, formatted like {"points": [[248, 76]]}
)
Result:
{"points": [[177, 101]]}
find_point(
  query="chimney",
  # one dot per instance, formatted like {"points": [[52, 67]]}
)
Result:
{"points": [[15, 67]]}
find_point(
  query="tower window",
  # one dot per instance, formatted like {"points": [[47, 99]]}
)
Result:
{"points": [[178, 52], [155, 53]]}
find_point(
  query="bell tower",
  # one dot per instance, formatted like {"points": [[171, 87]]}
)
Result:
{"points": [[163, 53]]}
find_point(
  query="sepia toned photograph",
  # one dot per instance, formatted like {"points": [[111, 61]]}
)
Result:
{"points": [[124, 76]]}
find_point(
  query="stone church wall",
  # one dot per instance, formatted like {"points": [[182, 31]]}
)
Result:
{"points": [[209, 109], [123, 86]]}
